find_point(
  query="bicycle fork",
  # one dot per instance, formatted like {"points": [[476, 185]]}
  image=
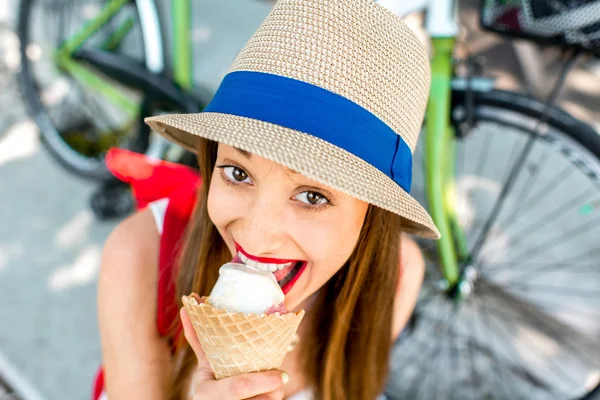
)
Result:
{"points": [[439, 158]]}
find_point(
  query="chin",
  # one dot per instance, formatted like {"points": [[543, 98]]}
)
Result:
{"points": [[297, 298]]}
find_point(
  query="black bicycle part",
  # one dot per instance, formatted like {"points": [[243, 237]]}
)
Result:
{"points": [[517, 167], [124, 69], [113, 198], [452, 345], [79, 151], [556, 23]]}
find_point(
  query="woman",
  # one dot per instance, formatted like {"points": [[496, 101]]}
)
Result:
{"points": [[305, 154]]}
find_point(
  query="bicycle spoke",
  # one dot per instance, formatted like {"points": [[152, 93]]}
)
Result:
{"points": [[440, 369], [547, 324], [63, 24], [506, 317], [460, 169], [499, 203], [549, 218], [453, 355], [429, 355], [421, 347], [566, 291], [529, 184], [483, 157], [573, 268], [549, 268], [429, 297], [564, 238], [561, 178], [517, 167], [522, 372], [562, 306], [474, 377], [538, 383], [492, 354], [513, 158]]}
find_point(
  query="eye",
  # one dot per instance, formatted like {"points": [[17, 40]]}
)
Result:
{"points": [[235, 174], [312, 198]]}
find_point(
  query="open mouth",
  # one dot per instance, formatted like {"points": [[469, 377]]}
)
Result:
{"points": [[286, 275]]}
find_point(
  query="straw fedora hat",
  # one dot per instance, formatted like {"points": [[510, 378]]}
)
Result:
{"points": [[333, 89]]}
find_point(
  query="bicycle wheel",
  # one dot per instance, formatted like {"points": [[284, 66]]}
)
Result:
{"points": [[525, 321], [77, 125]]}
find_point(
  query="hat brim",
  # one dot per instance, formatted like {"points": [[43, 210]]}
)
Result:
{"points": [[306, 154]]}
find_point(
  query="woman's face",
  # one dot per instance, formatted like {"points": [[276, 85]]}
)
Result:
{"points": [[273, 215]]}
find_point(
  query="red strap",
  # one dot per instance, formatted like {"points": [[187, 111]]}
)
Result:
{"points": [[152, 180], [98, 384]]}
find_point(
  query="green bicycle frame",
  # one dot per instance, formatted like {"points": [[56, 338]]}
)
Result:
{"points": [[181, 11], [182, 49], [86, 76], [440, 157]]}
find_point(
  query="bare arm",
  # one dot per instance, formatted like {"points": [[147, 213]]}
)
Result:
{"points": [[136, 359], [412, 272]]}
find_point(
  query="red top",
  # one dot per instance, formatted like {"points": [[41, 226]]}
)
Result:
{"points": [[152, 180]]}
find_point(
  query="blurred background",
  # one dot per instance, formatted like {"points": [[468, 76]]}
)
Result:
{"points": [[54, 221]]}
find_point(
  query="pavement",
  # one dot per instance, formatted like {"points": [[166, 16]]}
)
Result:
{"points": [[50, 243]]}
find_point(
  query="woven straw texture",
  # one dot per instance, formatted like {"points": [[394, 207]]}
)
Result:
{"points": [[355, 48], [236, 343]]}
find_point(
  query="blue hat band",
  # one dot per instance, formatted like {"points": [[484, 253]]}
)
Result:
{"points": [[307, 108]]}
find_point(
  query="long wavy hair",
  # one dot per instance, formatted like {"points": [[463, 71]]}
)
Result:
{"points": [[345, 354]]}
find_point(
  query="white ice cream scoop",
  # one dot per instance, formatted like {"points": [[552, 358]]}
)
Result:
{"points": [[244, 289]]}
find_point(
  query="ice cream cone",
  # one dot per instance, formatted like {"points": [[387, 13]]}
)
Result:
{"points": [[237, 343]]}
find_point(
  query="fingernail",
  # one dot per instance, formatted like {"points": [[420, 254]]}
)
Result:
{"points": [[285, 377]]}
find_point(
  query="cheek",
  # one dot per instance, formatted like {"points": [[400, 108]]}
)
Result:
{"points": [[331, 243], [222, 205]]}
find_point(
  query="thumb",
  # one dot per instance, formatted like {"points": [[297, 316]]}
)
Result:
{"points": [[204, 367]]}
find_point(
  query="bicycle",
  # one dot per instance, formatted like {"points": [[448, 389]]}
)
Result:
{"points": [[106, 67], [486, 309]]}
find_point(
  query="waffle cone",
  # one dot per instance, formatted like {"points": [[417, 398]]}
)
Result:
{"points": [[237, 343]]}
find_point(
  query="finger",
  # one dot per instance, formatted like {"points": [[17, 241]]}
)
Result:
{"points": [[248, 385], [192, 338], [190, 333]]}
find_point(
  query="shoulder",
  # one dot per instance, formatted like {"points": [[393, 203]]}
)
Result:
{"points": [[412, 271], [132, 349], [135, 242], [127, 281]]}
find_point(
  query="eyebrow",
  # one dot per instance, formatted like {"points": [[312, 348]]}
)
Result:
{"points": [[248, 155]]}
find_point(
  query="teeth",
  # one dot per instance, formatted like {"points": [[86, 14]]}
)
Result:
{"points": [[263, 266]]}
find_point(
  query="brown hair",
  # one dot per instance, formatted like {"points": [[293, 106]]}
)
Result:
{"points": [[346, 349]]}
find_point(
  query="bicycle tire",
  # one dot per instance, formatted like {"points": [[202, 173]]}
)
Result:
{"points": [[464, 350], [89, 167]]}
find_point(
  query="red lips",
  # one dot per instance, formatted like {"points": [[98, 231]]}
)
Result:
{"points": [[278, 274], [263, 259]]}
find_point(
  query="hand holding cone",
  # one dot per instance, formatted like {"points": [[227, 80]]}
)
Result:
{"points": [[236, 343], [205, 386]]}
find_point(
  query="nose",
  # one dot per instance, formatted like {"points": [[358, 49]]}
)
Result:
{"points": [[264, 229]]}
